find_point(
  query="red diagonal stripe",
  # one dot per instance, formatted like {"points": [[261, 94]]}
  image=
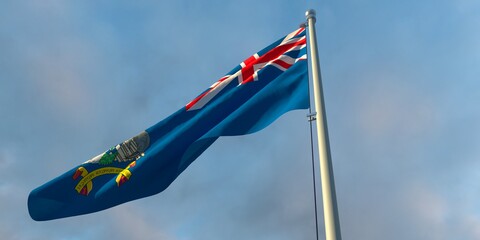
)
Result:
{"points": [[277, 51], [248, 70], [282, 63], [190, 104]]}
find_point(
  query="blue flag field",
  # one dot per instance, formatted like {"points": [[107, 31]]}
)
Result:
{"points": [[247, 99]]}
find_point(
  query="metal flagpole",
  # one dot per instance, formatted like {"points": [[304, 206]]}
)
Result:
{"points": [[330, 211]]}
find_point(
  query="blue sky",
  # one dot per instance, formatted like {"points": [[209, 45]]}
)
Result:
{"points": [[401, 83]]}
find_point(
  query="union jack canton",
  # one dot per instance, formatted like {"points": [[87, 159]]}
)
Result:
{"points": [[281, 55]]}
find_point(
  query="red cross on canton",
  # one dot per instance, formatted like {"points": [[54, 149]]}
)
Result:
{"points": [[250, 66]]}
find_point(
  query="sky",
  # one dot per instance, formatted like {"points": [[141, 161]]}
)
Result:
{"points": [[401, 82]]}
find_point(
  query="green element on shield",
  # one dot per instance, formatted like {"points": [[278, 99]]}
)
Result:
{"points": [[108, 156]]}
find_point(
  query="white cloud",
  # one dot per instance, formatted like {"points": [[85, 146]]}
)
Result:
{"points": [[64, 52], [388, 106], [129, 223], [6, 158], [425, 205], [470, 225]]}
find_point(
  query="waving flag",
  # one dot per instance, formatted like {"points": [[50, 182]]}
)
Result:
{"points": [[247, 99]]}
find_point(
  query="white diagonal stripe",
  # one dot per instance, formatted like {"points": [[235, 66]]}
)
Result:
{"points": [[218, 86]]}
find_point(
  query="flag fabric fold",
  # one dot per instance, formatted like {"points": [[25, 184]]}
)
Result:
{"points": [[247, 99]]}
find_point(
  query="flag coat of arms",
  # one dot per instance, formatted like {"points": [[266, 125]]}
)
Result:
{"points": [[247, 99]]}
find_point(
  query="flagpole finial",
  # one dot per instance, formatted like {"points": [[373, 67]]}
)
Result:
{"points": [[311, 14]]}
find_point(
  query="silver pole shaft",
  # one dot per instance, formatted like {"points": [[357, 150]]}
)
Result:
{"points": [[330, 211]]}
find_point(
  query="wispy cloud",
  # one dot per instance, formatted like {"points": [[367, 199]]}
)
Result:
{"points": [[401, 92]]}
